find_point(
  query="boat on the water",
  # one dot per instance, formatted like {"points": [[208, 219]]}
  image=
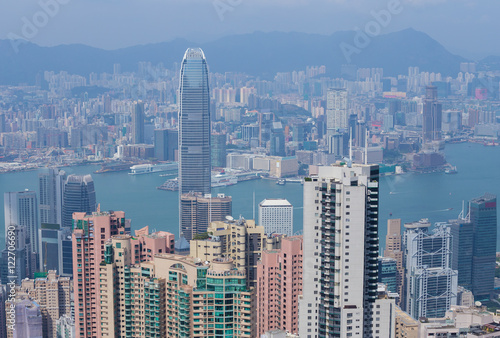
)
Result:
{"points": [[281, 181], [223, 180], [152, 168], [450, 171]]}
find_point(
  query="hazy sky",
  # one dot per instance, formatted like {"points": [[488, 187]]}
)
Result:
{"points": [[466, 27]]}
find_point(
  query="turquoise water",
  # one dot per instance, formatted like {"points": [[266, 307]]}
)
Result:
{"points": [[413, 196]]}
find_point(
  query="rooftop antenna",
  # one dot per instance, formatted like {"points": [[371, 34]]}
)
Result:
{"points": [[461, 215], [366, 146], [350, 146]]}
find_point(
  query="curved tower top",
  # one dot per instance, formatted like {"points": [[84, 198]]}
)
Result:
{"points": [[194, 53]]}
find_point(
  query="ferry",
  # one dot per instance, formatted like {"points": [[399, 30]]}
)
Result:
{"points": [[452, 170], [281, 181], [152, 168], [223, 180]]}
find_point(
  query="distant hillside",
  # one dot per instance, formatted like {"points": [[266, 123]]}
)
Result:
{"points": [[258, 53], [489, 63]]}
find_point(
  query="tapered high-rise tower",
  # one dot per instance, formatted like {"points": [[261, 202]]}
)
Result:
{"points": [[194, 125]]}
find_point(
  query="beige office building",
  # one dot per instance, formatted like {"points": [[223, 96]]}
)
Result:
{"points": [[406, 326], [199, 210], [393, 249]]}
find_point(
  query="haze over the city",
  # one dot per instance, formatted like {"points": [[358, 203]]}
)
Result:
{"points": [[464, 27], [249, 168]]}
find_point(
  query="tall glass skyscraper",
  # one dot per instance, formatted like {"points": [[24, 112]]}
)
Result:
{"points": [[194, 125], [483, 216], [431, 284], [431, 124], [138, 122], [51, 185], [21, 209], [79, 196]]}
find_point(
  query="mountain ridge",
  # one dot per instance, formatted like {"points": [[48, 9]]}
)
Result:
{"points": [[258, 54]]}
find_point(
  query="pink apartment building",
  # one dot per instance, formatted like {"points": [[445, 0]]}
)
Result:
{"points": [[90, 232], [146, 245], [279, 284]]}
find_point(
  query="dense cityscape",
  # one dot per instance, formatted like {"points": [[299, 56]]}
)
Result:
{"points": [[71, 268]]}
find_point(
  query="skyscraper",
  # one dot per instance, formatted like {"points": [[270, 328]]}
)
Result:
{"points": [[394, 249], [245, 251], [337, 116], [388, 273], [79, 196], [21, 209], [198, 211], [277, 140], [56, 249], [219, 150], [172, 296], [90, 233], [194, 127], [138, 122], [339, 145], [483, 216], [51, 187], [122, 256], [431, 284], [462, 233], [3, 324], [279, 284], [194, 124], [166, 144], [340, 255], [22, 258], [145, 297], [54, 296], [432, 116], [276, 216]]}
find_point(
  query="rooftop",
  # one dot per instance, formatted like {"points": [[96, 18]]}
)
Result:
{"points": [[275, 202]]}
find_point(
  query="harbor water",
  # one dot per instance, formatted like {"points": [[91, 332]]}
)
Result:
{"points": [[435, 196]]}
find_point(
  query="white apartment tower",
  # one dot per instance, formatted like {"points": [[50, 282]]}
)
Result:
{"points": [[276, 216], [337, 116], [340, 297]]}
